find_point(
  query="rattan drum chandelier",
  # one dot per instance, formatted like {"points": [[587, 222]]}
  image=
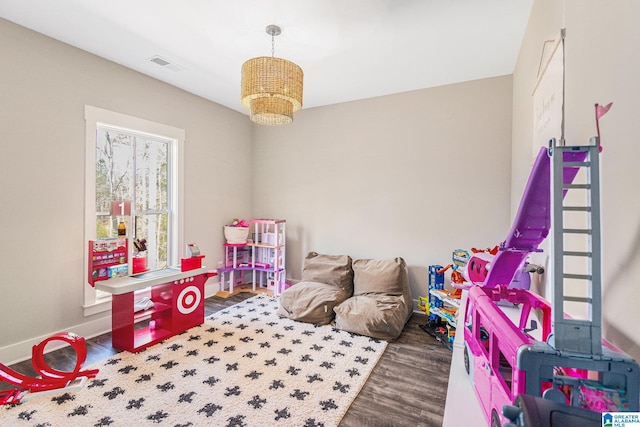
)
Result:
{"points": [[271, 87]]}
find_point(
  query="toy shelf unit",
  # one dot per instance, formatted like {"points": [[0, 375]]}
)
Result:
{"points": [[441, 303], [441, 309], [176, 303], [268, 254], [107, 259], [263, 255], [237, 262]]}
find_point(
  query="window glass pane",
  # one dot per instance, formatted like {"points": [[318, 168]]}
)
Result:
{"points": [[114, 169], [106, 226], [134, 167], [127, 155], [153, 229], [506, 372], [151, 174]]}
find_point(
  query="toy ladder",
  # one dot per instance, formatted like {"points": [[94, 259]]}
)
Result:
{"points": [[576, 247]]}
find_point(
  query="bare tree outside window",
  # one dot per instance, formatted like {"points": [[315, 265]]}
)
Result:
{"points": [[134, 167]]}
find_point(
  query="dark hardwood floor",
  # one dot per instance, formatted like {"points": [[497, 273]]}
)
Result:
{"points": [[408, 387]]}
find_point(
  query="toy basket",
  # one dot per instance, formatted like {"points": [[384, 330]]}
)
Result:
{"points": [[236, 235]]}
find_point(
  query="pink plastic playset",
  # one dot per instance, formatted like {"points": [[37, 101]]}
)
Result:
{"points": [[566, 361]]}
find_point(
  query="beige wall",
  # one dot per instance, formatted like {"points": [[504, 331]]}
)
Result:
{"points": [[601, 65], [414, 174], [44, 86]]}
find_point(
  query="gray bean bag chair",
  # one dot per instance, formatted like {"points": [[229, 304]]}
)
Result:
{"points": [[327, 280], [381, 304]]}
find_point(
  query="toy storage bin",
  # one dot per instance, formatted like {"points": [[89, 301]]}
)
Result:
{"points": [[236, 235], [139, 264], [192, 263]]}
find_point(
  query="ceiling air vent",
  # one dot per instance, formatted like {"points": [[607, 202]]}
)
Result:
{"points": [[165, 64]]}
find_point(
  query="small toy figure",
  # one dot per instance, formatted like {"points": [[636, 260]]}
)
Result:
{"points": [[423, 304], [460, 259]]}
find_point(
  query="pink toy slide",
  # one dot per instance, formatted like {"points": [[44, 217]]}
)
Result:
{"points": [[533, 220]]}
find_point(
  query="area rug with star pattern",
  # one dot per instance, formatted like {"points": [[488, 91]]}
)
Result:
{"points": [[245, 366]]}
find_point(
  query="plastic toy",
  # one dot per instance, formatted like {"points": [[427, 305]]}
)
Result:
{"points": [[423, 304], [571, 363], [481, 263], [473, 269], [439, 317], [530, 411], [478, 267], [532, 222], [51, 381], [460, 259], [504, 360], [436, 282]]}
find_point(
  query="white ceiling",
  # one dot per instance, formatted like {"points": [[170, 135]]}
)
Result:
{"points": [[348, 49]]}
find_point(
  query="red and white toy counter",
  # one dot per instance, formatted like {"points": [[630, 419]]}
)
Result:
{"points": [[178, 304]]}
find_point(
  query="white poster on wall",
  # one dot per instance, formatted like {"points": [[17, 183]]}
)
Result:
{"points": [[548, 99], [548, 123]]}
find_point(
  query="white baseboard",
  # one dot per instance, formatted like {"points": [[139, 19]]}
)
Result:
{"points": [[21, 351]]}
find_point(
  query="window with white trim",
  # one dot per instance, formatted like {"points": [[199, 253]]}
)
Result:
{"points": [[133, 181]]}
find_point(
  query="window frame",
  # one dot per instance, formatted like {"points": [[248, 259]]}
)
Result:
{"points": [[94, 117]]}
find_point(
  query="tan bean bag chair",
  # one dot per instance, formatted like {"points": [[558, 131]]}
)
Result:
{"points": [[381, 304], [327, 280]]}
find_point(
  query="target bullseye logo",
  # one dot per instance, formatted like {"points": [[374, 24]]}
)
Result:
{"points": [[188, 299]]}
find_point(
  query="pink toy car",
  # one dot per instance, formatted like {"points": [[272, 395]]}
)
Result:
{"points": [[504, 360]]}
